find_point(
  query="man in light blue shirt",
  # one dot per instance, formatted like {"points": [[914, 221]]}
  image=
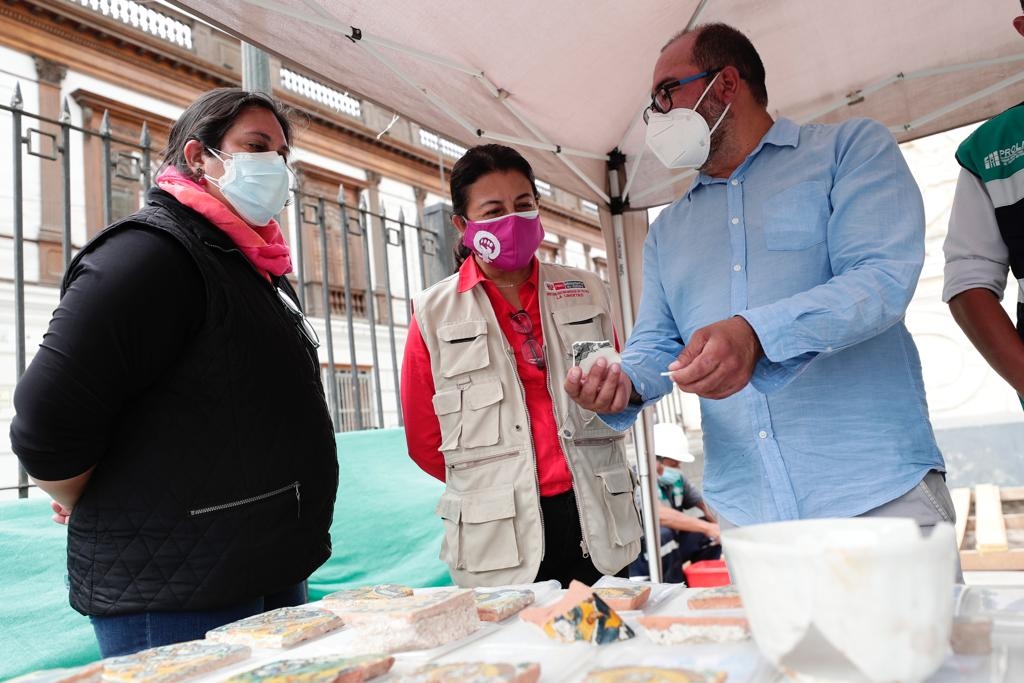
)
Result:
{"points": [[776, 289]]}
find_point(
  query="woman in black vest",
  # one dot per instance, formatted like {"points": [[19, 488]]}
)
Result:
{"points": [[174, 410]]}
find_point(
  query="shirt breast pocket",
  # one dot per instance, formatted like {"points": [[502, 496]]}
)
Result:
{"points": [[797, 217], [463, 347]]}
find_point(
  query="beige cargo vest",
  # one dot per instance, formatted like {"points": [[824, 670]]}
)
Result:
{"points": [[491, 506]]}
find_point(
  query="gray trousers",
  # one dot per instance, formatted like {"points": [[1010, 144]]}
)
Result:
{"points": [[928, 503]]}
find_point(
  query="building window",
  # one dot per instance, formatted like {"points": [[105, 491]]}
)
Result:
{"points": [[544, 188], [348, 388], [337, 100], [588, 207], [126, 190]]}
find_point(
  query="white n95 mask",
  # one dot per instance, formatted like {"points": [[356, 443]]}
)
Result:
{"points": [[681, 138]]}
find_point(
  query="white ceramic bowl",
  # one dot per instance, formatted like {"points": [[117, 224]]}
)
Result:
{"points": [[851, 600]]}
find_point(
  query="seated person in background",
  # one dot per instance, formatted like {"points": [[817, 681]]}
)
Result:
{"points": [[684, 538]]}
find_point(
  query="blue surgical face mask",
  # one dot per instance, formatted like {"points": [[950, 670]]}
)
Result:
{"points": [[672, 478], [255, 184], [669, 476]]}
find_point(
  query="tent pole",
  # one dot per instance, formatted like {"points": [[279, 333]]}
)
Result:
{"points": [[644, 456], [255, 69]]}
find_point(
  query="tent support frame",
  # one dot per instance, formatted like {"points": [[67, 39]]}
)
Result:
{"points": [[644, 455]]}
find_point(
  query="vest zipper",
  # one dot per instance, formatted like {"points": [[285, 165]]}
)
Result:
{"points": [[597, 440], [469, 464], [533, 448], [592, 441], [254, 499], [584, 547]]}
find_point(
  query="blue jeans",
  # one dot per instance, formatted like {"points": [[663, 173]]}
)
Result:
{"points": [[124, 634]]}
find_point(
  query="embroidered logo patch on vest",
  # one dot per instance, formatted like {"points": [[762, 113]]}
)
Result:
{"points": [[565, 288]]}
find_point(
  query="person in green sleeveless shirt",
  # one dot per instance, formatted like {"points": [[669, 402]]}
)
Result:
{"points": [[986, 240]]}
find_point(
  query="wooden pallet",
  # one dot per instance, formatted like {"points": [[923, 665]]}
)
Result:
{"points": [[991, 536]]}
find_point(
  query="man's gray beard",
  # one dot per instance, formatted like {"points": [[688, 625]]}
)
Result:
{"points": [[710, 109]]}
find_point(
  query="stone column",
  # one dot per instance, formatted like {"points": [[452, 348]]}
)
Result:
{"points": [[421, 200], [256, 69], [560, 254], [376, 227], [51, 192], [436, 218]]}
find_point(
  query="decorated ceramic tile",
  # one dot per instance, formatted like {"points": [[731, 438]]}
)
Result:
{"points": [[625, 598], [499, 604], [719, 597], [474, 672], [318, 670], [418, 622], [672, 630], [653, 674], [576, 593], [382, 591], [411, 607], [282, 627], [591, 620], [586, 353], [79, 674], [172, 663]]}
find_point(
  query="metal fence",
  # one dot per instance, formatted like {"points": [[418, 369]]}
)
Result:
{"points": [[355, 270]]}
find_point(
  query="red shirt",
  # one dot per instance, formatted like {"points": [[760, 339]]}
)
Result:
{"points": [[422, 430]]}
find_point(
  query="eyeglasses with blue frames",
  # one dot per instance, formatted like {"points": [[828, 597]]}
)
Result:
{"points": [[300, 320], [661, 101], [531, 349]]}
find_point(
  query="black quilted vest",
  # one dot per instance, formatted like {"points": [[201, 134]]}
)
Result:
{"points": [[220, 479]]}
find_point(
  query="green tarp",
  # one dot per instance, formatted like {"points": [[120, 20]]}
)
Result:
{"points": [[384, 531]]}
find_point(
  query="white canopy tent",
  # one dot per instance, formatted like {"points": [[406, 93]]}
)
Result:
{"points": [[565, 81], [569, 78]]}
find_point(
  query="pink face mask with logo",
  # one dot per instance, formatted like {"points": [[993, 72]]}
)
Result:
{"points": [[507, 242]]}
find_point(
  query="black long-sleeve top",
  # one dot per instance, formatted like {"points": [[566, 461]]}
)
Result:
{"points": [[129, 307]]}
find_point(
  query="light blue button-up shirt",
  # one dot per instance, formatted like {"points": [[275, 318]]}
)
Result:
{"points": [[817, 239]]}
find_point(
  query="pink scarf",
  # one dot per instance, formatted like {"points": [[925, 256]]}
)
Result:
{"points": [[264, 247]]}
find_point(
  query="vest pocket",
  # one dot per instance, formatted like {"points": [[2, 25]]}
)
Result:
{"points": [[449, 509], [620, 507], [463, 347], [448, 408], [479, 529], [584, 322], [481, 414]]}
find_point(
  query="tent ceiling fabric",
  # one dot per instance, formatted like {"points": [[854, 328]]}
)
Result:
{"points": [[578, 71]]}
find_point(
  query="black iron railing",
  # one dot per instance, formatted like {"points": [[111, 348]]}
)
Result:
{"points": [[360, 286]]}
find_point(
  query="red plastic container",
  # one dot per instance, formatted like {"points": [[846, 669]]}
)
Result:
{"points": [[707, 573]]}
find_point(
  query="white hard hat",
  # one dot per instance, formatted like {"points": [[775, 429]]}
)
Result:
{"points": [[670, 442]]}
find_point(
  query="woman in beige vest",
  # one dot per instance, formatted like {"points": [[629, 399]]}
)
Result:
{"points": [[537, 488]]}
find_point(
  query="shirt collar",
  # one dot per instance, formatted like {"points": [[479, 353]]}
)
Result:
{"points": [[783, 133], [470, 274]]}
